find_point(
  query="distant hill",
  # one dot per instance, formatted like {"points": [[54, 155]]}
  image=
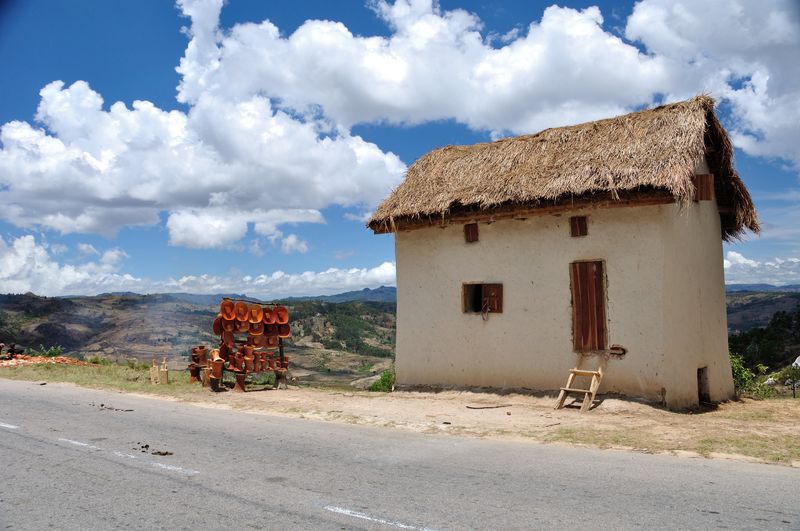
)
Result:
{"points": [[381, 294], [731, 288]]}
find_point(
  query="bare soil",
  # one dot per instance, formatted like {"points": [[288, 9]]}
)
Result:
{"points": [[766, 431]]}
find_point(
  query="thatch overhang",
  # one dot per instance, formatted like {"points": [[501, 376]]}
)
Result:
{"points": [[646, 157]]}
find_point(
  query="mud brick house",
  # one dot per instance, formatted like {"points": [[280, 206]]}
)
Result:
{"points": [[520, 257]]}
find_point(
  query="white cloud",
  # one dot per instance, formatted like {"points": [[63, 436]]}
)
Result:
{"points": [[435, 65], [293, 244], [26, 265], [266, 139], [87, 249], [778, 271], [745, 52]]}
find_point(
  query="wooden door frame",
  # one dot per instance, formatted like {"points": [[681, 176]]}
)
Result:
{"points": [[604, 296]]}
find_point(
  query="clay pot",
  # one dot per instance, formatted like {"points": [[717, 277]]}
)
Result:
{"points": [[239, 386], [242, 327], [259, 341], [285, 364], [272, 342], [271, 330], [226, 310], [270, 361], [256, 313], [281, 315], [238, 361], [194, 373], [256, 329], [249, 363], [284, 331], [269, 316], [242, 311], [217, 326], [202, 355], [216, 368], [227, 338], [228, 325], [223, 352]]}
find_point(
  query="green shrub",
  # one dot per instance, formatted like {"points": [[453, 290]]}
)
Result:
{"points": [[385, 383], [50, 352], [743, 377], [97, 359]]}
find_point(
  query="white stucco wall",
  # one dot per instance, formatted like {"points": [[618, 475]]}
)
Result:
{"points": [[665, 290]]}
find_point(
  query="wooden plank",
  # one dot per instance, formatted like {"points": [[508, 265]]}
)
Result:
{"points": [[577, 226], [704, 187], [600, 307], [521, 212]]}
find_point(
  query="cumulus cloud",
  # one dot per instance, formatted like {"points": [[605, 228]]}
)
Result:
{"points": [[778, 271], [435, 65], [87, 249], [267, 139], [744, 52], [293, 244], [26, 265]]}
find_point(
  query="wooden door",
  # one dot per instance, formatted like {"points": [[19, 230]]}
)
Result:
{"points": [[587, 280]]}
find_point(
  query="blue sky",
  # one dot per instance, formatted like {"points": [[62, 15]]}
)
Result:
{"points": [[250, 168]]}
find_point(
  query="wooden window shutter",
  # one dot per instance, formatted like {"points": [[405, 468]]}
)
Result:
{"points": [[471, 232], [492, 298], [704, 187], [578, 226], [588, 306]]}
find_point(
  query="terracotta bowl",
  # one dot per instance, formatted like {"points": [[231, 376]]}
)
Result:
{"points": [[242, 327], [284, 330], [269, 316], [227, 338], [217, 326], [242, 311], [281, 315], [256, 313], [226, 310], [256, 329], [228, 325], [271, 330], [272, 341]]}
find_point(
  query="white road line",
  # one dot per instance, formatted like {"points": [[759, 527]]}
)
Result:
{"points": [[8, 426], [163, 466], [364, 516], [78, 443]]}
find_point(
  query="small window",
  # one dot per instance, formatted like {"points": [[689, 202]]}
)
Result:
{"points": [[578, 226], [471, 232], [704, 187], [482, 298]]}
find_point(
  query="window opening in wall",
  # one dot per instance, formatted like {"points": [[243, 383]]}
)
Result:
{"points": [[703, 391], [471, 232], [578, 226], [482, 298], [704, 187]]}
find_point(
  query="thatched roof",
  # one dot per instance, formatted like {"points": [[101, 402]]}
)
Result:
{"points": [[648, 152]]}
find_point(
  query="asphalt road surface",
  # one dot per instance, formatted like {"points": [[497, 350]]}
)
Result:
{"points": [[74, 458]]}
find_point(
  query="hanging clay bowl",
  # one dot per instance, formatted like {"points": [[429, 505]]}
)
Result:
{"points": [[242, 327], [242, 311], [226, 310], [284, 330], [217, 326], [281, 315], [256, 313], [269, 316], [256, 329]]}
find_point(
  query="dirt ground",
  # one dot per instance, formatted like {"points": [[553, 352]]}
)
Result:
{"points": [[767, 431]]}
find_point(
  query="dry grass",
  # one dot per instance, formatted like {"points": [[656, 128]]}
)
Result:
{"points": [[655, 149], [111, 376]]}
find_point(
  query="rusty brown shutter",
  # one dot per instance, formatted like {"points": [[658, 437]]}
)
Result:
{"points": [[578, 226], [588, 306], [704, 187], [492, 298], [471, 232]]}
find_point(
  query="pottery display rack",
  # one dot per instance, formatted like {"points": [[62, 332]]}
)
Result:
{"points": [[250, 341]]}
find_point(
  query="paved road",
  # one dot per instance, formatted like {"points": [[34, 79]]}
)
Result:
{"points": [[72, 459]]}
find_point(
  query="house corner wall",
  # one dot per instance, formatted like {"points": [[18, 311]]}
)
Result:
{"points": [[696, 330]]}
